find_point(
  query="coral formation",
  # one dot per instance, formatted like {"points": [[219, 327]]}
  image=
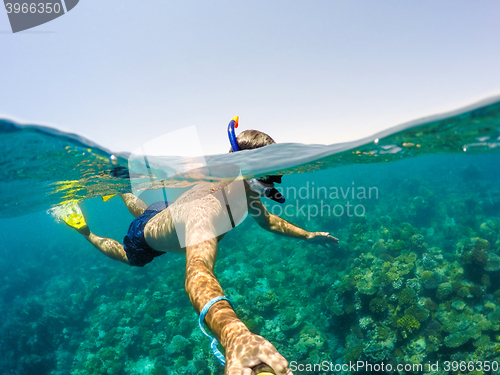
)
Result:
{"points": [[415, 280]]}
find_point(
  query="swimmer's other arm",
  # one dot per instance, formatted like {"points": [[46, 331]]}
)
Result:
{"points": [[275, 224], [244, 350]]}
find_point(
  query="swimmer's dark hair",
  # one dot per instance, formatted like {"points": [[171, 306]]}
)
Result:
{"points": [[250, 139]]}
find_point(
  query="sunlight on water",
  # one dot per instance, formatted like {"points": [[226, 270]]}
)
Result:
{"points": [[43, 167]]}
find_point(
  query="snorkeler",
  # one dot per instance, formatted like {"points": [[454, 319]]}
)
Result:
{"points": [[153, 233]]}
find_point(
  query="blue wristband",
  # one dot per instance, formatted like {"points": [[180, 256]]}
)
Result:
{"points": [[213, 341]]}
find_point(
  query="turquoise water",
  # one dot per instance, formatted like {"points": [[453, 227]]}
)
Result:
{"points": [[414, 279]]}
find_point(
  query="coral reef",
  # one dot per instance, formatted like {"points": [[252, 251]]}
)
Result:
{"points": [[415, 280]]}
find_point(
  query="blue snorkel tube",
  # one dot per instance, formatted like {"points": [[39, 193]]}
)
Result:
{"points": [[230, 132], [255, 184]]}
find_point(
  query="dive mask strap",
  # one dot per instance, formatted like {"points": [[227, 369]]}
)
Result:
{"points": [[265, 191]]}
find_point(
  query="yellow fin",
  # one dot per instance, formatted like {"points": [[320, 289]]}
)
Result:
{"points": [[75, 220], [70, 213], [105, 198]]}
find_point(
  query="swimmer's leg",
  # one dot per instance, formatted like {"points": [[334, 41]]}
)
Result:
{"points": [[134, 204], [109, 247]]}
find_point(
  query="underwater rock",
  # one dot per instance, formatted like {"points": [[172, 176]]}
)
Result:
{"points": [[458, 305], [490, 229], [492, 263], [310, 339], [379, 247], [462, 326], [380, 350], [397, 284], [456, 339], [444, 290], [365, 322], [414, 284], [417, 243], [477, 254], [378, 305], [407, 324], [178, 345], [430, 279], [428, 262], [463, 292], [367, 283], [334, 303], [476, 251], [420, 313], [407, 296], [353, 353]]}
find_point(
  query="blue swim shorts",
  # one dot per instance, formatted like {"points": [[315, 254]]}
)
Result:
{"points": [[139, 253]]}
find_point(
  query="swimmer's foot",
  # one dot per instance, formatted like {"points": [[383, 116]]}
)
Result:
{"points": [[82, 229], [85, 231], [75, 219], [72, 216]]}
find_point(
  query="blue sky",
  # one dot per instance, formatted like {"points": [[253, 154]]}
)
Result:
{"points": [[122, 73]]}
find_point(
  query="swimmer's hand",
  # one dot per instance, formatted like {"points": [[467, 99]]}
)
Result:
{"points": [[247, 351], [322, 238]]}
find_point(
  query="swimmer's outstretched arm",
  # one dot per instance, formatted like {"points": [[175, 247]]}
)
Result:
{"points": [[275, 224], [244, 350]]}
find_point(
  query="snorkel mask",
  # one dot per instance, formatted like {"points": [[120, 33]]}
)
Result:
{"points": [[257, 184]]}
